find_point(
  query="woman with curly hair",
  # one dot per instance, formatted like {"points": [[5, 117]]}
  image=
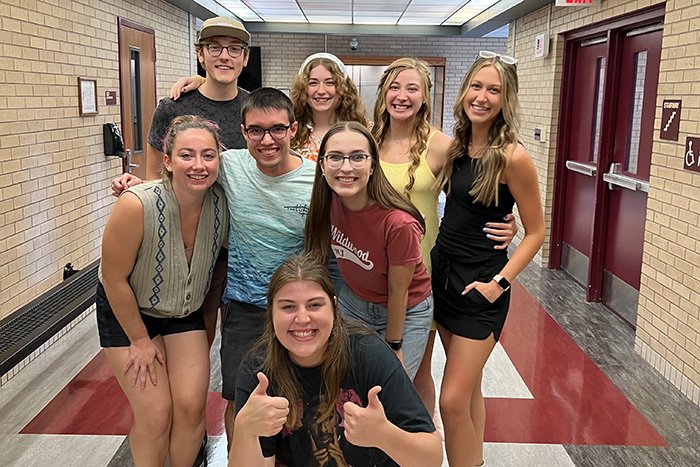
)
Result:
{"points": [[323, 94], [487, 171]]}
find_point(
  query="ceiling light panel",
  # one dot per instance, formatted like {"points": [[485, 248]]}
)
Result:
{"points": [[378, 12], [468, 11], [240, 9], [320, 11], [277, 11], [430, 12]]}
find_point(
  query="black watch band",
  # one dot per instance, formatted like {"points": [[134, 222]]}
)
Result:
{"points": [[502, 281], [395, 345]]}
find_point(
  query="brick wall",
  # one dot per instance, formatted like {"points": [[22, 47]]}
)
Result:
{"points": [[668, 320], [54, 178], [281, 64]]}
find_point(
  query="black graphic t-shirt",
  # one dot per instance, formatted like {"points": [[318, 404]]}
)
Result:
{"points": [[323, 444], [227, 114]]}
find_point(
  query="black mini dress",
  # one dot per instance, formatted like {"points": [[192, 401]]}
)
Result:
{"points": [[463, 254]]}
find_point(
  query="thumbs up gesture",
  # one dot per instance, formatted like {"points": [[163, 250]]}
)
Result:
{"points": [[262, 415], [365, 426]]}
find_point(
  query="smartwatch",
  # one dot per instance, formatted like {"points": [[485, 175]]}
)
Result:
{"points": [[395, 345], [502, 281]]}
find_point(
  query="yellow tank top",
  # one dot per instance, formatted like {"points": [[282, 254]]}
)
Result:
{"points": [[423, 196]]}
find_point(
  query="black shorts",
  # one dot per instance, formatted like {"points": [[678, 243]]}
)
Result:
{"points": [[243, 325], [470, 315], [112, 334]]}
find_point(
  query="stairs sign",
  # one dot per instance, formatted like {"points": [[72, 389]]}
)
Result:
{"points": [[670, 119]]}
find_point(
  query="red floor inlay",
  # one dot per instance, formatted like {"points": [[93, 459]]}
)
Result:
{"points": [[574, 402], [94, 404]]}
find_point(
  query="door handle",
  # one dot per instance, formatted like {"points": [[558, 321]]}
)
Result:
{"points": [[588, 170], [129, 165], [615, 179]]}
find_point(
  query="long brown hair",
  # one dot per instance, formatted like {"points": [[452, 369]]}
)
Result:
{"points": [[317, 233], [349, 107], [421, 123], [276, 361], [503, 132]]}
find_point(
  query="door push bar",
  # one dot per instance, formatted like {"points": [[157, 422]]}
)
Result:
{"points": [[579, 167], [614, 178], [129, 164]]}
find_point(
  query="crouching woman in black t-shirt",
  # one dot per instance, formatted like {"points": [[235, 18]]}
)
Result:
{"points": [[316, 391]]}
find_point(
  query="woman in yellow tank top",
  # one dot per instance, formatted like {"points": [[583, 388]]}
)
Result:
{"points": [[412, 153]]}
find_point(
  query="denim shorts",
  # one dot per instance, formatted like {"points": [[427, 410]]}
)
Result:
{"points": [[336, 276], [113, 335], [415, 328], [243, 325]]}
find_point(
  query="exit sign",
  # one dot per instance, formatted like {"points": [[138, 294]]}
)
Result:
{"points": [[576, 2]]}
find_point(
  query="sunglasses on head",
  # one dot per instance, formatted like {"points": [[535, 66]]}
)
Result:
{"points": [[507, 59]]}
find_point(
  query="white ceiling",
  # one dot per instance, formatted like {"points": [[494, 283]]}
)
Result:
{"points": [[472, 18], [397, 12]]}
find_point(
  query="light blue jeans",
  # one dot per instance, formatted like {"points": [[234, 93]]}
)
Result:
{"points": [[415, 327]]}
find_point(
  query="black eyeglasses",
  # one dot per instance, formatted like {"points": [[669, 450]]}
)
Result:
{"points": [[255, 133], [335, 160], [234, 51]]}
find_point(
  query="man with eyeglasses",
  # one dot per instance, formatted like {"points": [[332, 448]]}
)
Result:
{"points": [[222, 49], [268, 188]]}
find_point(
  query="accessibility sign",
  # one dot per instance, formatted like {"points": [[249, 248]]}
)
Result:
{"points": [[691, 161]]}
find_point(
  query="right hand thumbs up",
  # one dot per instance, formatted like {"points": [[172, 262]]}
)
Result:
{"points": [[263, 415], [261, 388]]}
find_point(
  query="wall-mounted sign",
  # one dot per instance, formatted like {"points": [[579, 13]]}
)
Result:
{"points": [[87, 96], [111, 97], [576, 2], [670, 119], [692, 154], [541, 45]]}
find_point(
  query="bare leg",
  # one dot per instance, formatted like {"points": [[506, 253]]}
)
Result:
{"points": [[152, 407], [479, 418], [465, 361], [424, 377], [229, 415], [188, 371]]}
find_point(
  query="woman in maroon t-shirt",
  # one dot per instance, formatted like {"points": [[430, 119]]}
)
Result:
{"points": [[375, 234]]}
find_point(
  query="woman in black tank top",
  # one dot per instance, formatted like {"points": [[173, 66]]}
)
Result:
{"points": [[486, 173]]}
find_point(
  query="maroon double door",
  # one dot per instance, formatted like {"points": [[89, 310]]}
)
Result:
{"points": [[604, 159]]}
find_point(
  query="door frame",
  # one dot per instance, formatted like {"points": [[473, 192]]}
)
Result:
{"points": [[122, 22], [615, 29]]}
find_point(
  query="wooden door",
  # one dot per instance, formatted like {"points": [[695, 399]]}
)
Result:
{"points": [[137, 84]]}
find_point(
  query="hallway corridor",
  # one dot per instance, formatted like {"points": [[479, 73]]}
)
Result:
{"points": [[564, 387]]}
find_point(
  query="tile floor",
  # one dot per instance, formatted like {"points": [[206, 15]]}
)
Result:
{"points": [[564, 388]]}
